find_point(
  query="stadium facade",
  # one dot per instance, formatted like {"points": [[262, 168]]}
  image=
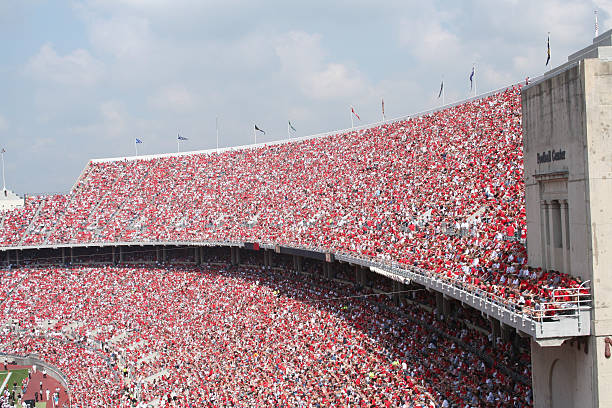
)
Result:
{"points": [[567, 120]]}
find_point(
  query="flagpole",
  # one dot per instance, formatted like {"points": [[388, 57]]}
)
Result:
{"points": [[288, 133], [136, 147], [178, 145], [443, 94], [351, 113], [474, 79], [254, 133], [217, 129], [3, 179]]}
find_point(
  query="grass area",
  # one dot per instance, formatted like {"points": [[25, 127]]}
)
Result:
{"points": [[41, 405], [17, 376]]}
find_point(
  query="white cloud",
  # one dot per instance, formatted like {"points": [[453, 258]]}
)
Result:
{"points": [[302, 60], [428, 41], [76, 68], [123, 36], [175, 97]]}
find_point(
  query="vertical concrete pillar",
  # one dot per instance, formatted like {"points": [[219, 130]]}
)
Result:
{"points": [[237, 256], [71, 255], [270, 258], [64, 255], [551, 235], [364, 277], [17, 257], [300, 264], [202, 259], [565, 237], [121, 255], [164, 254], [495, 330], [544, 233], [157, 254], [196, 255], [440, 302], [446, 306]]}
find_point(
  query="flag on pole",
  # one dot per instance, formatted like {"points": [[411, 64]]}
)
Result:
{"points": [[3, 150], [354, 113], [383, 106], [258, 129], [291, 126], [441, 88], [182, 137], [548, 48], [596, 25], [138, 141], [472, 77]]}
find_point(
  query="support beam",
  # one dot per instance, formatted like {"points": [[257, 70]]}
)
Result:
{"points": [[300, 262]]}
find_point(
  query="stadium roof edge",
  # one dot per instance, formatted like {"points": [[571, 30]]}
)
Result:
{"points": [[314, 136]]}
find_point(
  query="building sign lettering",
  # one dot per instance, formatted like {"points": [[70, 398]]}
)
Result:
{"points": [[551, 156]]}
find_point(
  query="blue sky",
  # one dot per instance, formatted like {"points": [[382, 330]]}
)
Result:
{"points": [[82, 79]]}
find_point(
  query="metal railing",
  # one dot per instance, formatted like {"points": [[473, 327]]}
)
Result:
{"points": [[524, 318]]}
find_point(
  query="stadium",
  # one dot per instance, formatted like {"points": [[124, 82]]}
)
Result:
{"points": [[454, 258]]}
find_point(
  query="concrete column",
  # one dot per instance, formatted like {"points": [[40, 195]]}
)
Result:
{"points": [[446, 306], [64, 255], [396, 296], [551, 235], [164, 254], [233, 255], [157, 254], [7, 255], [17, 257], [544, 232], [237, 256], [364, 277], [121, 259], [565, 250], [495, 330], [196, 255], [201, 255], [270, 257], [71, 255], [440, 302], [299, 264], [506, 333]]}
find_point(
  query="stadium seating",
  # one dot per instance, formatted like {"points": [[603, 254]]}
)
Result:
{"points": [[443, 192], [221, 336]]}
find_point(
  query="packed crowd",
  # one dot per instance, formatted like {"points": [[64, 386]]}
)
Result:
{"points": [[442, 192], [222, 336]]}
